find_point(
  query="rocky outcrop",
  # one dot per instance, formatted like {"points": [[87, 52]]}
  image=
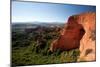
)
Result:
{"points": [[78, 32], [87, 43]]}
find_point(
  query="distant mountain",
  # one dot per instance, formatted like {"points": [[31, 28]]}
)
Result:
{"points": [[35, 24]]}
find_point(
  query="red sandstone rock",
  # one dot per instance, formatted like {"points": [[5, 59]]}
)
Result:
{"points": [[78, 33], [87, 43]]}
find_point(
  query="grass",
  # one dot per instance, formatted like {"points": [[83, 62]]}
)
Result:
{"points": [[29, 56]]}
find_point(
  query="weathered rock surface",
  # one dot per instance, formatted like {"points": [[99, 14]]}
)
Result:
{"points": [[78, 32], [87, 43]]}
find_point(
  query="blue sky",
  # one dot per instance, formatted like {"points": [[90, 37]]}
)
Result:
{"points": [[45, 12]]}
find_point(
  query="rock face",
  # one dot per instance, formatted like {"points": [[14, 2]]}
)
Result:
{"points": [[87, 43], [78, 32]]}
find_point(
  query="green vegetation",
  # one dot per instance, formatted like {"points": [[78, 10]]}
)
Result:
{"points": [[31, 48]]}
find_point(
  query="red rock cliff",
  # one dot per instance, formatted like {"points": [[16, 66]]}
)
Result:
{"points": [[78, 32]]}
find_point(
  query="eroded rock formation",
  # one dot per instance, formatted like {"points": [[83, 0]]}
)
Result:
{"points": [[87, 43], [78, 32]]}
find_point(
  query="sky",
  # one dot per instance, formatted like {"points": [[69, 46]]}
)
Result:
{"points": [[46, 12]]}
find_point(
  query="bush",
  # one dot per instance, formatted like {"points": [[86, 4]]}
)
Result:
{"points": [[32, 48]]}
